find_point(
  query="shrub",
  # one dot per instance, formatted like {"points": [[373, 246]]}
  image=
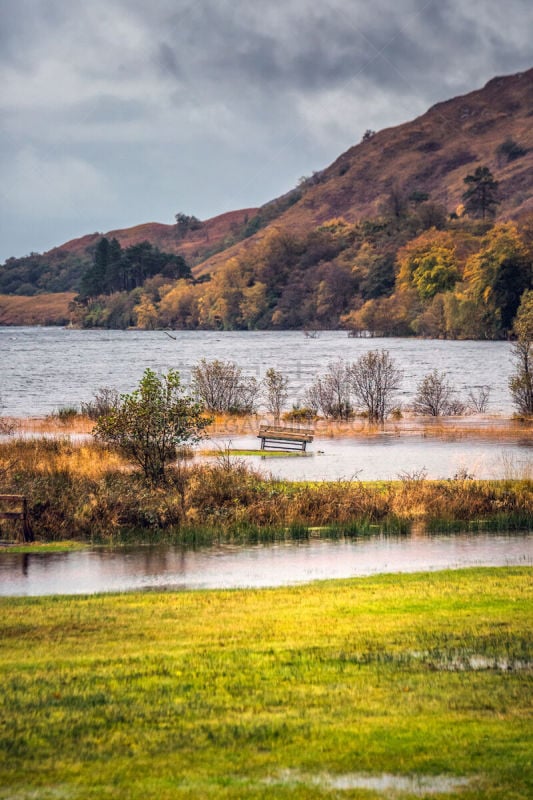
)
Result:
{"points": [[436, 397], [221, 386], [150, 424], [104, 402]]}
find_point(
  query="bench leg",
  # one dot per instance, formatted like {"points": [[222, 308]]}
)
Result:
{"points": [[262, 444]]}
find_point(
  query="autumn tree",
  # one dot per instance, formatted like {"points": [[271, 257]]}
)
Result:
{"points": [[178, 307], [428, 264], [496, 277], [145, 314]]}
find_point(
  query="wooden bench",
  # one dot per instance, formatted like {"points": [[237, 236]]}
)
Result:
{"points": [[11, 500], [278, 437]]}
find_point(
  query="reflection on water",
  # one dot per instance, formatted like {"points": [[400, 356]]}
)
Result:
{"points": [[227, 567]]}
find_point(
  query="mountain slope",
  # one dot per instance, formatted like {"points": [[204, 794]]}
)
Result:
{"points": [[432, 154]]}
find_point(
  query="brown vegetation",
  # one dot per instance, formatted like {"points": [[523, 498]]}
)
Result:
{"points": [[86, 492], [41, 309]]}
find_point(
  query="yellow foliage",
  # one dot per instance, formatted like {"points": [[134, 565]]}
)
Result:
{"points": [[428, 263], [145, 313]]}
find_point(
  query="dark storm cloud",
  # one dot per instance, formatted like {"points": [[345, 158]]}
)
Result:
{"points": [[117, 111]]}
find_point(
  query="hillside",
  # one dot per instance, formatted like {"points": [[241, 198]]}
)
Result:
{"points": [[44, 309], [61, 268], [432, 154], [380, 241]]}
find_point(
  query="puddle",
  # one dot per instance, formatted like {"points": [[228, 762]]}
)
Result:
{"points": [[476, 663], [418, 785]]}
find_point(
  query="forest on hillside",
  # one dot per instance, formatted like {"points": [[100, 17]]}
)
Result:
{"points": [[413, 270]]}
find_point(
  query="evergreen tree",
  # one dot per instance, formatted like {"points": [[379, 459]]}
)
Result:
{"points": [[480, 198]]}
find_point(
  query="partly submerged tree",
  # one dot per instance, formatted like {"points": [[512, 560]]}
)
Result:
{"points": [[149, 424], [329, 394], [435, 396], [481, 196], [275, 387], [374, 379], [521, 383], [221, 386]]}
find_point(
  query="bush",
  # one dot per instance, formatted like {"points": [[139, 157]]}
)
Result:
{"points": [[66, 414], [435, 397], [104, 402], [297, 414], [330, 392], [150, 424]]}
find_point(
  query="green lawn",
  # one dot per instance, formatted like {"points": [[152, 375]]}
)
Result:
{"points": [[303, 692]]}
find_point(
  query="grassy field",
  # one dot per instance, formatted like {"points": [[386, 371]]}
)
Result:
{"points": [[392, 686], [42, 309]]}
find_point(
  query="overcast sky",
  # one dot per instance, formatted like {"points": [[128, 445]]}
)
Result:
{"points": [[116, 112]]}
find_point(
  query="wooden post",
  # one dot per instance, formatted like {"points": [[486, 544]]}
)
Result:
{"points": [[27, 531], [22, 515]]}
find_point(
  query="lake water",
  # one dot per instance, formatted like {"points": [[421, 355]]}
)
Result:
{"points": [[42, 369], [173, 568], [388, 457]]}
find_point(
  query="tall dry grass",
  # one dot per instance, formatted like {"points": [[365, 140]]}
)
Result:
{"points": [[88, 492]]}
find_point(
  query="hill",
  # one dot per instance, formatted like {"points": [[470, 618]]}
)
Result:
{"points": [[62, 268], [378, 241], [430, 155]]}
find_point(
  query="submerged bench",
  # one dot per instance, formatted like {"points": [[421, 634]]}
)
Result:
{"points": [[278, 437], [11, 500]]}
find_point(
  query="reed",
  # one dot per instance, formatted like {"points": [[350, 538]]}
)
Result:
{"points": [[449, 429], [86, 492]]}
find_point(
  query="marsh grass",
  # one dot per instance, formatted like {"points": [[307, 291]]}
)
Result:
{"points": [[483, 427], [231, 694], [86, 492]]}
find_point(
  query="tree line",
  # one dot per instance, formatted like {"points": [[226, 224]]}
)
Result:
{"points": [[115, 269]]}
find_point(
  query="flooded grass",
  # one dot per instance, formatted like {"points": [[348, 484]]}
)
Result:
{"points": [[385, 785], [83, 491], [402, 685]]}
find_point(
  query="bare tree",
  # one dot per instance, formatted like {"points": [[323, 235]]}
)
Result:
{"points": [[478, 399], [7, 426], [521, 383], [221, 386], [105, 400], [330, 392], [375, 379], [435, 396], [275, 386]]}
